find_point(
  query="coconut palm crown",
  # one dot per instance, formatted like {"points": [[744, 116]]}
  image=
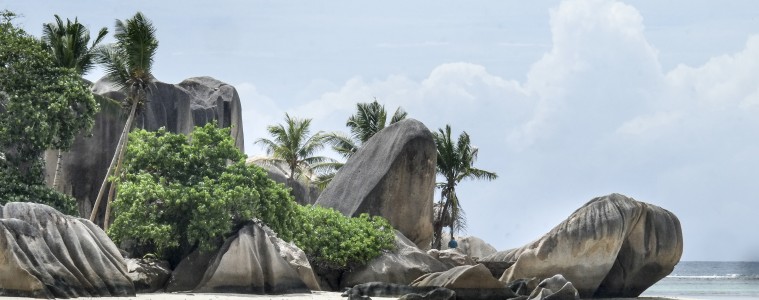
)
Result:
{"points": [[293, 146], [455, 162], [128, 64]]}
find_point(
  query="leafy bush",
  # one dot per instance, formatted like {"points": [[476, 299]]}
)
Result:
{"points": [[14, 190], [178, 192], [334, 241]]}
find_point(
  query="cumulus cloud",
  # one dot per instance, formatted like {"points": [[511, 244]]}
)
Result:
{"points": [[258, 111]]}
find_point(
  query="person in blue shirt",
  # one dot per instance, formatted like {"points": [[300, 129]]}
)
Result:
{"points": [[453, 243]]}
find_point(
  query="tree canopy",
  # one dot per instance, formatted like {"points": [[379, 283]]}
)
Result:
{"points": [[43, 107]]}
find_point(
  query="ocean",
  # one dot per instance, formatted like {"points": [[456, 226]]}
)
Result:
{"points": [[709, 280]]}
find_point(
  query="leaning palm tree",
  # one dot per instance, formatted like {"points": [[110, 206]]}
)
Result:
{"points": [[293, 146], [455, 162], [127, 64], [369, 119], [69, 44]]}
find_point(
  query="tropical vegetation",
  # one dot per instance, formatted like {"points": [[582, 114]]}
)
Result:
{"points": [[293, 146], [128, 65], [455, 162], [68, 43], [179, 193], [42, 106]]}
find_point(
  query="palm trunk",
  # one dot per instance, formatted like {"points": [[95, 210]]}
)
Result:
{"points": [[122, 140], [117, 172], [57, 170], [438, 234]]}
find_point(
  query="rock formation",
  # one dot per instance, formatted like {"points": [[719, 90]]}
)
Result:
{"points": [[401, 266], [148, 275], [451, 257], [178, 107], [554, 288], [393, 176], [613, 246], [248, 262], [46, 254], [469, 282], [472, 246]]}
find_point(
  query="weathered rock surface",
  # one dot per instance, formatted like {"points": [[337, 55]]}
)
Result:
{"points": [[295, 257], [555, 288], [613, 246], [178, 107], [451, 257], [46, 254], [471, 246], [401, 266], [469, 282], [393, 176], [248, 262], [304, 193], [148, 275]]}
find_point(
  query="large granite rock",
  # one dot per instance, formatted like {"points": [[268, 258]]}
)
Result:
{"points": [[554, 288], [401, 266], [305, 193], [178, 107], [469, 282], [46, 254], [248, 262], [613, 246], [393, 176], [472, 246]]}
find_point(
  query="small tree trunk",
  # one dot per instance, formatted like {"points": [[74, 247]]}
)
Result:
{"points": [[438, 234], [57, 170], [122, 139], [123, 149]]}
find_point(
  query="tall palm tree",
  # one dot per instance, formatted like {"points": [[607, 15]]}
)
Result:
{"points": [[369, 119], [68, 43], [294, 147], [455, 162], [127, 64]]}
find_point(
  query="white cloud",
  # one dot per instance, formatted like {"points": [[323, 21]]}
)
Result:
{"points": [[258, 112]]}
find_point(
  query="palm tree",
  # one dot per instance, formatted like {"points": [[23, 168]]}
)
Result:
{"points": [[455, 163], [68, 43], [294, 147], [369, 119], [128, 65]]}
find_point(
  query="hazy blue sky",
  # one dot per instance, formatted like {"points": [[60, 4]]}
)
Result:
{"points": [[567, 100]]}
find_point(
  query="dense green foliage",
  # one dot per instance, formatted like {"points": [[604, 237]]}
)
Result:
{"points": [[335, 241], [68, 43], [43, 106], [455, 162], [178, 192]]}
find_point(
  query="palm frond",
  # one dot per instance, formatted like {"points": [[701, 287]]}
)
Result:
{"points": [[399, 115], [341, 143]]}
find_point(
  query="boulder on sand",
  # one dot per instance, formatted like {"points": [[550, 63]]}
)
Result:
{"points": [[469, 282], [393, 176], [46, 254], [148, 275], [248, 262], [613, 246]]}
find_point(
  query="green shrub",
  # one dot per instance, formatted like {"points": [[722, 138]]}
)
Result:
{"points": [[178, 192], [334, 241], [14, 190]]}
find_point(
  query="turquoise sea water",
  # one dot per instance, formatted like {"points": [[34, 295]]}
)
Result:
{"points": [[709, 280]]}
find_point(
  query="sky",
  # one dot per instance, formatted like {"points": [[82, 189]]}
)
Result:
{"points": [[566, 100]]}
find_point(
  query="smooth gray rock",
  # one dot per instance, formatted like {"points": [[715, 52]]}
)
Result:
{"points": [[46, 254], [469, 283], [248, 262], [393, 176], [451, 257], [555, 288], [401, 266], [471, 246], [613, 246], [148, 275], [177, 107]]}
